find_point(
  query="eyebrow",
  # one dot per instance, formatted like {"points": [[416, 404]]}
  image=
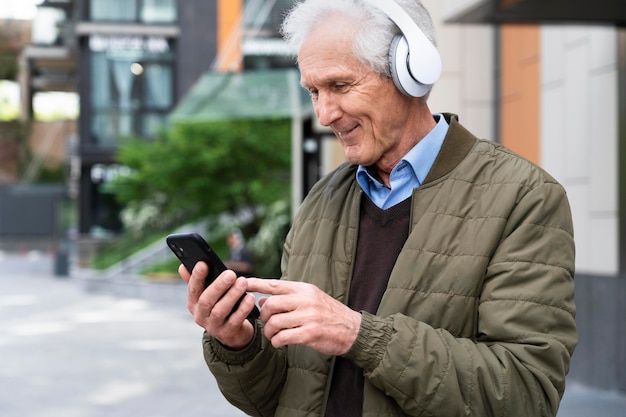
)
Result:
{"points": [[329, 81]]}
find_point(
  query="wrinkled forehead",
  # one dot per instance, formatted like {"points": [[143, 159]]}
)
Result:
{"points": [[327, 49], [336, 30]]}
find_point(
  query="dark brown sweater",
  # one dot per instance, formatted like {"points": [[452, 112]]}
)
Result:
{"points": [[382, 234]]}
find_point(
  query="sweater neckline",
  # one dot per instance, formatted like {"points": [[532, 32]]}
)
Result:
{"points": [[385, 216]]}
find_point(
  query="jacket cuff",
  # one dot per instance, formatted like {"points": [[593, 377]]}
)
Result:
{"points": [[371, 343], [228, 356]]}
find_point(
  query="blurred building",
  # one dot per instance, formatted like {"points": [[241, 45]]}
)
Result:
{"points": [[33, 54], [14, 36], [38, 54], [137, 59], [131, 62], [181, 41], [48, 63]]}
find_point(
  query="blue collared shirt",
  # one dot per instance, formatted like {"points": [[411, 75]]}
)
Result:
{"points": [[409, 173]]}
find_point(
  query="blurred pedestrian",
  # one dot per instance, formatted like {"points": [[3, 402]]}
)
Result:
{"points": [[239, 257]]}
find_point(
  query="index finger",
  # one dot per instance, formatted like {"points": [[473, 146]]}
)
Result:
{"points": [[272, 286]]}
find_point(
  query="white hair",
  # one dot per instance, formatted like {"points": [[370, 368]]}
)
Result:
{"points": [[374, 33]]}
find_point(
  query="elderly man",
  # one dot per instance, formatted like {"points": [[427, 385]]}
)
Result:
{"points": [[431, 275]]}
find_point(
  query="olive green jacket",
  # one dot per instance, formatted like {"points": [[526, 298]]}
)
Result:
{"points": [[478, 315]]}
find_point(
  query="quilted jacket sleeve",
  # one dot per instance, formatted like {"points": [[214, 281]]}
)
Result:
{"points": [[516, 363], [251, 379]]}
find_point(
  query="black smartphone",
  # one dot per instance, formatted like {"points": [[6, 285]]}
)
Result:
{"points": [[191, 248]]}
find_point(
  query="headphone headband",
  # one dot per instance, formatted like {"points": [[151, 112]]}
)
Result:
{"points": [[423, 59]]}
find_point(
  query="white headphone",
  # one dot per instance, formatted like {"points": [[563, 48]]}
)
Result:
{"points": [[414, 61]]}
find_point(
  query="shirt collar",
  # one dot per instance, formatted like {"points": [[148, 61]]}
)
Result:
{"points": [[420, 158]]}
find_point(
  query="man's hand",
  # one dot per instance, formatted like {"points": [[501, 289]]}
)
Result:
{"points": [[300, 313], [211, 307]]}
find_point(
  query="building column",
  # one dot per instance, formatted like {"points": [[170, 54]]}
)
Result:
{"points": [[26, 95], [621, 83]]}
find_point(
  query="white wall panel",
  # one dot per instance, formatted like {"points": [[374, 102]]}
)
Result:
{"points": [[481, 119], [446, 97], [478, 63], [603, 245], [603, 143], [578, 195], [553, 141], [468, 80], [449, 39], [603, 46], [577, 127], [552, 55], [575, 33], [579, 135]]}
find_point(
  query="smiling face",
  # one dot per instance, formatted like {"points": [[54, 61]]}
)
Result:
{"points": [[375, 123]]}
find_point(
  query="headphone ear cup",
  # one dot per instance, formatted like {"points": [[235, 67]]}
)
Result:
{"points": [[393, 64], [400, 71]]}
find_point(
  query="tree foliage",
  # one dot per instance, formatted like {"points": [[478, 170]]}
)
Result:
{"points": [[8, 65], [201, 169]]}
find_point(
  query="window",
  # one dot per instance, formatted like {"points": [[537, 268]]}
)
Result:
{"points": [[263, 17], [113, 10], [139, 11], [158, 11], [132, 86]]}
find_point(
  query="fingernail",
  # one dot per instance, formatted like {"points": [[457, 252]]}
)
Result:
{"points": [[199, 268], [230, 277]]}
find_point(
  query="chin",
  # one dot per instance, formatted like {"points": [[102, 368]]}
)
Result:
{"points": [[354, 160], [355, 155], [359, 159]]}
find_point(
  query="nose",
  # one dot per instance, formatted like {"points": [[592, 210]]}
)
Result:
{"points": [[327, 109]]}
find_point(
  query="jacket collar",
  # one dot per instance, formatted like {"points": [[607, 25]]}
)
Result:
{"points": [[456, 146]]}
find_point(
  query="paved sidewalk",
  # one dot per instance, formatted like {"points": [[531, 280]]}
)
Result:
{"points": [[581, 401], [68, 353], [127, 350]]}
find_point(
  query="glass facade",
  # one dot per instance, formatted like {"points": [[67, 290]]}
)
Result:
{"points": [[132, 86], [130, 89], [141, 11], [264, 18], [263, 46]]}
